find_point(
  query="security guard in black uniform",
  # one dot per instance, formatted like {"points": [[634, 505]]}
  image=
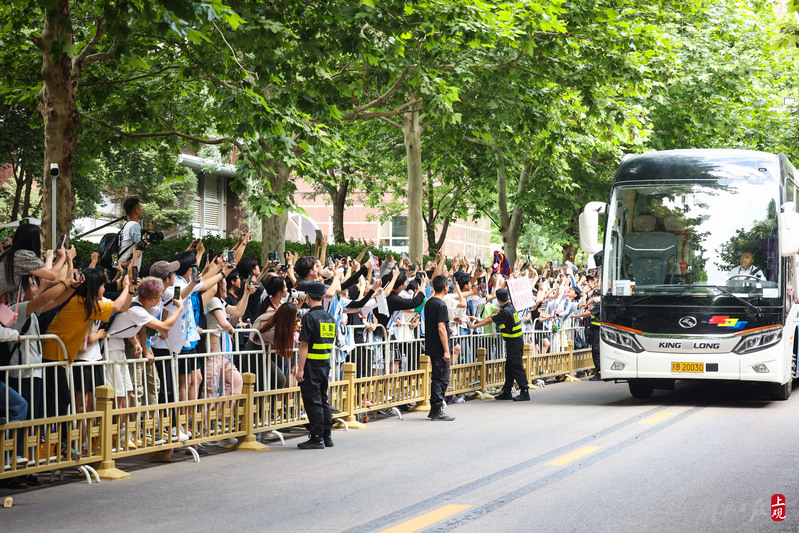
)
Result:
{"points": [[317, 335], [507, 319]]}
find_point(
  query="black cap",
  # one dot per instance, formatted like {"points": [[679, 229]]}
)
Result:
{"points": [[502, 295], [316, 290]]}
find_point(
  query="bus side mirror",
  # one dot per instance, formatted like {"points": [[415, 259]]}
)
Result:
{"points": [[789, 230], [589, 227]]}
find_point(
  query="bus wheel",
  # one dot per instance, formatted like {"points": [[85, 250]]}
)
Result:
{"points": [[641, 389], [782, 391]]}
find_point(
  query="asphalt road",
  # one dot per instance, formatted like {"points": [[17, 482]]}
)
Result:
{"points": [[579, 457]]}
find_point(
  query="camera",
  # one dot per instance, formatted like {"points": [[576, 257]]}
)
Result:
{"points": [[272, 256], [295, 296], [149, 236]]}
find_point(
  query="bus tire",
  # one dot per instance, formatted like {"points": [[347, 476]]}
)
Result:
{"points": [[782, 391], [641, 389]]}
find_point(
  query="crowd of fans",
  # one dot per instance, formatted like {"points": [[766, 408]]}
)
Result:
{"points": [[193, 306]]}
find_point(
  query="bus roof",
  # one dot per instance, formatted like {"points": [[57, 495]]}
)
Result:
{"points": [[675, 165]]}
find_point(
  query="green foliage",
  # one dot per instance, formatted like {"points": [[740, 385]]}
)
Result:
{"points": [[563, 88], [152, 174]]}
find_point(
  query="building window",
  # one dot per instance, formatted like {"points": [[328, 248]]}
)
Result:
{"points": [[209, 205], [394, 234]]}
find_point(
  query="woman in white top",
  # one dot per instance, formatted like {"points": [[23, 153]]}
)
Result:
{"points": [[221, 366]]}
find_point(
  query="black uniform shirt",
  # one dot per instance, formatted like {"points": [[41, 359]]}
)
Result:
{"points": [[507, 319], [318, 329]]}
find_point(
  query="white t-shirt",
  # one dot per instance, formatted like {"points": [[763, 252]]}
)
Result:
{"points": [[216, 304], [126, 325], [131, 234], [452, 302], [178, 334], [26, 352], [93, 351], [741, 273]]}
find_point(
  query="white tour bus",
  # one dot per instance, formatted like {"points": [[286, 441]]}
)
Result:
{"points": [[700, 265]]}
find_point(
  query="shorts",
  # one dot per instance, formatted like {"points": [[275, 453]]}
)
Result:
{"points": [[186, 364], [116, 372], [87, 378]]}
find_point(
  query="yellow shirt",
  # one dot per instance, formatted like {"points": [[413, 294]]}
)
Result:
{"points": [[71, 325]]}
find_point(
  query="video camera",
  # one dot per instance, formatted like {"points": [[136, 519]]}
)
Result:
{"points": [[148, 237]]}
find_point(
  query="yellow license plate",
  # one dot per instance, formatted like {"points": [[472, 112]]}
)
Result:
{"points": [[681, 366]]}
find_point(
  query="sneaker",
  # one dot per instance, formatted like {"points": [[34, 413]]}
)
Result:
{"points": [[313, 443], [595, 377], [523, 396], [441, 415], [506, 395], [328, 441], [229, 442]]}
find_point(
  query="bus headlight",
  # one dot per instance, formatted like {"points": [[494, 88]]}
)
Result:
{"points": [[621, 339], [758, 341]]}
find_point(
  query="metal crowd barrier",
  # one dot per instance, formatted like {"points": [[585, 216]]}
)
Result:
{"points": [[98, 430]]}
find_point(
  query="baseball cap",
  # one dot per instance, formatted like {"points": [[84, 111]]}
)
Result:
{"points": [[316, 290], [162, 269]]}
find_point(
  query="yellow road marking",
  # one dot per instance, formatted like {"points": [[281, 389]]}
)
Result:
{"points": [[573, 456], [428, 519], [658, 417]]}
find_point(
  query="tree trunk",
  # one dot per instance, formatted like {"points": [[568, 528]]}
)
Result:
{"points": [[26, 204], [511, 221], [273, 228], [59, 112], [339, 202], [19, 183], [430, 219], [569, 252], [412, 132], [439, 244]]}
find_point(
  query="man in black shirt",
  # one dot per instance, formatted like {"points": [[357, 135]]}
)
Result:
{"points": [[317, 336], [507, 320], [395, 301], [438, 347]]}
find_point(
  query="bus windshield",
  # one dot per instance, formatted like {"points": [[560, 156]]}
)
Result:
{"points": [[699, 237]]}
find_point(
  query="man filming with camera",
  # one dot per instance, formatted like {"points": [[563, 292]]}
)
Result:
{"points": [[131, 231]]}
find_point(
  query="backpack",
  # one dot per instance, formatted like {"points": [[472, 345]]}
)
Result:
{"points": [[8, 349], [110, 244]]}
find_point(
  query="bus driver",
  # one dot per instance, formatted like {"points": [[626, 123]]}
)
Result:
{"points": [[746, 270]]}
